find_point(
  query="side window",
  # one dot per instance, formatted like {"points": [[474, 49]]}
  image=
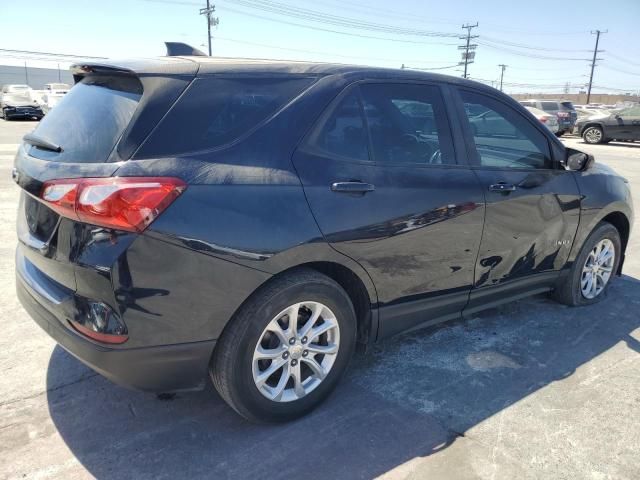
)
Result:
{"points": [[503, 137], [407, 124], [343, 133]]}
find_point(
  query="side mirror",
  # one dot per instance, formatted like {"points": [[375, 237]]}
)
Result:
{"points": [[577, 161]]}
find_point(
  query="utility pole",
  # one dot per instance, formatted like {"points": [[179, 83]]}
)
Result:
{"points": [[211, 21], [502, 68], [469, 48], [26, 73], [593, 63]]}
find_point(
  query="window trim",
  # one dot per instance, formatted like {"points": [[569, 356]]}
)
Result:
{"points": [[308, 145], [472, 153]]}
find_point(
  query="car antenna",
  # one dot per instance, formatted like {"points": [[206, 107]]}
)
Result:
{"points": [[179, 49]]}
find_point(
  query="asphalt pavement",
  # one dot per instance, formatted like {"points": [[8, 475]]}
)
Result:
{"points": [[528, 390]]}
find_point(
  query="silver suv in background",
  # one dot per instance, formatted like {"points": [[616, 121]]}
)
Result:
{"points": [[563, 109]]}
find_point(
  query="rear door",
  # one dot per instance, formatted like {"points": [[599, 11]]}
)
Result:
{"points": [[532, 202], [389, 189]]}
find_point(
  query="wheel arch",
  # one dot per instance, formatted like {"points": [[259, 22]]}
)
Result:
{"points": [[361, 293], [593, 124], [622, 224]]}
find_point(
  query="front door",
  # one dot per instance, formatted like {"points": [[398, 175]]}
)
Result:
{"points": [[532, 209], [383, 180], [624, 125]]}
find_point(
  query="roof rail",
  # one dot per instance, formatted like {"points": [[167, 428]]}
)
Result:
{"points": [[179, 49]]}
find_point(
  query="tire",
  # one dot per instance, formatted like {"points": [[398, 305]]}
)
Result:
{"points": [[234, 366], [593, 135], [569, 289], [559, 133]]}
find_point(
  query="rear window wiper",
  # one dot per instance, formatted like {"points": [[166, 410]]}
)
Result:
{"points": [[41, 143]]}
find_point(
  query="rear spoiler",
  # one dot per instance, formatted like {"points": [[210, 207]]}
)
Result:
{"points": [[79, 70]]}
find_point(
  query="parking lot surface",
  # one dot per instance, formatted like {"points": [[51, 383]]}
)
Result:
{"points": [[528, 390]]}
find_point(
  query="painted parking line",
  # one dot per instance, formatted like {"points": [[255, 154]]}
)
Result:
{"points": [[8, 147]]}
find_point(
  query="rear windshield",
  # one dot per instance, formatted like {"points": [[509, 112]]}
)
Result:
{"points": [[216, 111], [89, 120], [568, 105]]}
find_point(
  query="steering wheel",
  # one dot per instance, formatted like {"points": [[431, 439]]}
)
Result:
{"points": [[436, 157]]}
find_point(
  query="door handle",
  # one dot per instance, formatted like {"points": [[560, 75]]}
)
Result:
{"points": [[502, 187], [352, 187]]}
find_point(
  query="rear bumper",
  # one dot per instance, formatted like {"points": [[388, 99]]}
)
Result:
{"points": [[22, 112], [166, 368]]}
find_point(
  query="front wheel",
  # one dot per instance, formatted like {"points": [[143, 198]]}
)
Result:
{"points": [[593, 269], [593, 135], [286, 348]]}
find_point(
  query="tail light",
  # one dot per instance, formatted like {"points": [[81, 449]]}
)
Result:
{"points": [[563, 114], [543, 119], [122, 203]]}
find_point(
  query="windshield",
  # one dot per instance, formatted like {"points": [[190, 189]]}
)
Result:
{"points": [[89, 120]]}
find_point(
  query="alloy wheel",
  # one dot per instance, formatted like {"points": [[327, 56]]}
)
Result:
{"points": [[296, 351], [597, 269], [593, 135]]}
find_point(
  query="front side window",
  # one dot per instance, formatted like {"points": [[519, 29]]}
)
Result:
{"points": [[503, 137], [407, 124]]}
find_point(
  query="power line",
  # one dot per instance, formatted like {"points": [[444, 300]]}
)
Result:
{"points": [[46, 54], [500, 41], [320, 52], [529, 55]]}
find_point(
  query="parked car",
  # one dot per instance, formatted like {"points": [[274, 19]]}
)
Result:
{"points": [[255, 220], [17, 101], [607, 126], [563, 109], [548, 119], [53, 93]]}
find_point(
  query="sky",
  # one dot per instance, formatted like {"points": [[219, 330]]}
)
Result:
{"points": [[515, 33]]}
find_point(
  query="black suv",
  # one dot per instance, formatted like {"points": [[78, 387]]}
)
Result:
{"points": [[621, 125], [256, 220], [563, 109]]}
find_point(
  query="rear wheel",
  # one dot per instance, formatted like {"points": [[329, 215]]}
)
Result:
{"points": [[593, 269], [286, 349], [593, 135]]}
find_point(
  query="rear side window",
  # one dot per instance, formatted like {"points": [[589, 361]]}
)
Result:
{"points": [[549, 106], [344, 133], [215, 111], [90, 119]]}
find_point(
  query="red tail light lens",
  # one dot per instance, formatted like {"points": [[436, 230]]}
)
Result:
{"points": [[543, 119], [563, 114], [123, 203]]}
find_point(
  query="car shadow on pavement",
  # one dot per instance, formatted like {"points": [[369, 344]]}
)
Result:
{"points": [[613, 144], [412, 396]]}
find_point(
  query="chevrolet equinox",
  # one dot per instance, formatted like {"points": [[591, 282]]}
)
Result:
{"points": [[186, 217]]}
